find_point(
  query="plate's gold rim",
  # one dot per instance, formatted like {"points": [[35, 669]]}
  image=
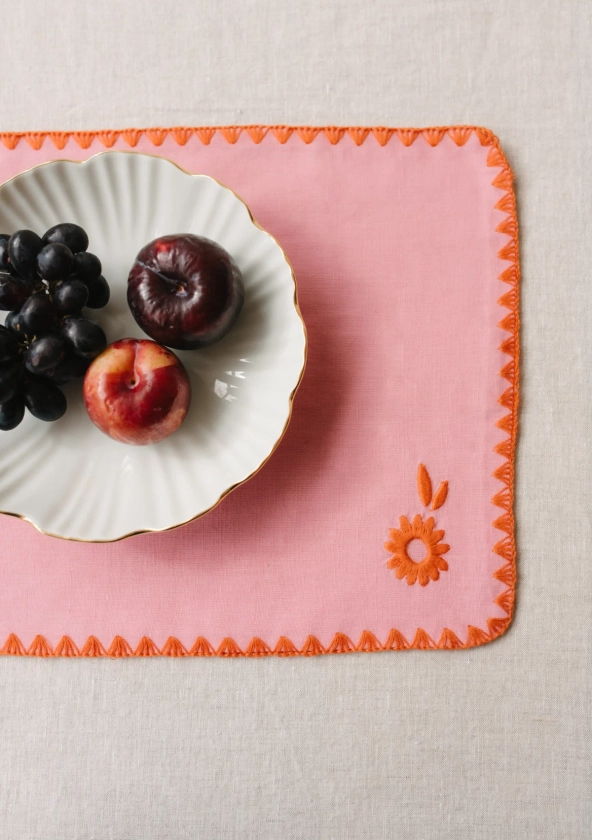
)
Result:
{"points": [[292, 394]]}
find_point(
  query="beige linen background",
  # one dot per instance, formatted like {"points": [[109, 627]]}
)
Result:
{"points": [[487, 744]]}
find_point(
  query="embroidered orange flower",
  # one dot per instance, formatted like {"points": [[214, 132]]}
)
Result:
{"points": [[422, 536], [433, 562]]}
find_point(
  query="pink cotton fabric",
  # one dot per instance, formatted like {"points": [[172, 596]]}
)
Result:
{"points": [[395, 252]]}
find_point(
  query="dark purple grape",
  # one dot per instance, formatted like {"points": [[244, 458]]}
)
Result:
{"points": [[11, 322], [44, 400], [54, 261], [12, 292], [84, 336], [9, 347], [68, 234], [45, 353], [4, 261], [70, 296], [36, 315], [10, 377], [28, 285], [71, 367], [12, 412], [23, 247], [98, 293], [87, 267]]}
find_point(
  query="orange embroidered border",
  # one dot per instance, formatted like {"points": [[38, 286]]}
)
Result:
{"points": [[282, 133], [504, 499]]}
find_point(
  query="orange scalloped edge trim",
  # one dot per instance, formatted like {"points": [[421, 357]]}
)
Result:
{"points": [[231, 133], [510, 323], [505, 473], [257, 648]]}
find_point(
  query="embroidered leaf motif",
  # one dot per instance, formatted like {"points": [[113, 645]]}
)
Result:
{"points": [[424, 485], [440, 496]]}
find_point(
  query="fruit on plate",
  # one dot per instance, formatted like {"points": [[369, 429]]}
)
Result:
{"points": [[185, 291], [28, 261], [45, 282], [137, 391]]}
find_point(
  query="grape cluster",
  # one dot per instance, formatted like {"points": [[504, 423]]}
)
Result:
{"points": [[46, 341]]}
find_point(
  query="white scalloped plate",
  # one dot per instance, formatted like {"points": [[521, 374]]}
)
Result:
{"points": [[70, 480]]}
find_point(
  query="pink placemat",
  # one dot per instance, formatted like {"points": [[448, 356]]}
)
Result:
{"points": [[384, 519]]}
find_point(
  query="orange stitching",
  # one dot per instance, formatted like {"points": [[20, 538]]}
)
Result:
{"points": [[229, 648], [503, 523], [433, 563], [505, 447], [157, 136], [507, 226], [508, 252], [433, 135], [449, 640], [146, 647], [486, 137], [460, 134], [285, 647], [202, 648], [84, 138], [440, 496], [35, 140], [383, 135], [407, 135], [257, 647], [506, 424], [368, 642], [131, 137], [59, 139], [504, 548], [256, 132], [93, 648], [423, 570], [40, 647], [358, 134], [308, 133], [340, 644], [108, 138], [282, 133], [505, 601], [231, 133], [173, 647], [476, 637], [205, 135], [396, 641], [505, 574], [504, 182], [181, 135], [13, 647], [334, 134], [119, 647], [66, 647], [497, 626], [312, 647], [422, 641], [424, 485], [504, 498], [10, 140]]}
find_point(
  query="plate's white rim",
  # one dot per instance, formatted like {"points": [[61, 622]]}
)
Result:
{"points": [[292, 393]]}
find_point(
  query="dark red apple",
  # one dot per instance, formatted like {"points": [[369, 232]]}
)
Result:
{"points": [[137, 391], [185, 291]]}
